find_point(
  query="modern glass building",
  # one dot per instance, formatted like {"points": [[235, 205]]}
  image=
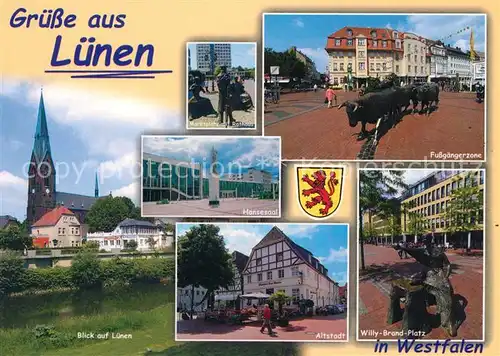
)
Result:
{"points": [[166, 178]]}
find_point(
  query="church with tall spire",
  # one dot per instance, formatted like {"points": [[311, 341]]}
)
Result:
{"points": [[42, 193]]}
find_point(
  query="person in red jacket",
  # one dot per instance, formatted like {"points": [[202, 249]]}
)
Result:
{"points": [[266, 320]]}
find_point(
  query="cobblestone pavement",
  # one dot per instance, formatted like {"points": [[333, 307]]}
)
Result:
{"points": [[311, 131], [244, 119], [331, 328], [385, 265]]}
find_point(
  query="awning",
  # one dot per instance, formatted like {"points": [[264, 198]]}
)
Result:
{"points": [[256, 296], [226, 296]]}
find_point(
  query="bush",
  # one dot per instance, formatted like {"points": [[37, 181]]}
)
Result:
{"points": [[11, 273], [118, 271], [48, 278], [86, 270]]}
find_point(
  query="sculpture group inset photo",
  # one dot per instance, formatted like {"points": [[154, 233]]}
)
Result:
{"points": [[421, 254], [221, 85], [216, 176]]}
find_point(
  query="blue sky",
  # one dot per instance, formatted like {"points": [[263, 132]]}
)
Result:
{"points": [[327, 242], [240, 152], [89, 131], [309, 32], [241, 55]]}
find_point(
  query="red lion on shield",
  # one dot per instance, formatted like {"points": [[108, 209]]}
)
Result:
{"points": [[318, 187]]}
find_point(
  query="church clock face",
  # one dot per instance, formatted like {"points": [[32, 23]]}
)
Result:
{"points": [[33, 191], [47, 190]]}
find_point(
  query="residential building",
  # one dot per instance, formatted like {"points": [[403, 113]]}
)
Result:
{"points": [[277, 263], [311, 71], [459, 64], [42, 193], [212, 55], [59, 227], [236, 289], [142, 232], [185, 296], [439, 60], [252, 175], [429, 198], [415, 64], [343, 294], [375, 52], [166, 178], [7, 220]]}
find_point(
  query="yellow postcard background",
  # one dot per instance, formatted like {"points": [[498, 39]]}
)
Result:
{"points": [[25, 53]]}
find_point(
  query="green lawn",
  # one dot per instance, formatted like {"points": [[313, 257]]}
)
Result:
{"points": [[230, 348]]}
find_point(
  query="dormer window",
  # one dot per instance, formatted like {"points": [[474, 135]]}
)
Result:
{"points": [[309, 258], [349, 32], [373, 34], [394, 34]]}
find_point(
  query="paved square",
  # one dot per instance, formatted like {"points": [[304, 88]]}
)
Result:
{"points": [[383, 265], [244, 207], [309, 130], [302, 329]]}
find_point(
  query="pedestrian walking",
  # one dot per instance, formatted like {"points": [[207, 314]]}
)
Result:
{"points": [[330, 96], [266, 323], [315, 88]]}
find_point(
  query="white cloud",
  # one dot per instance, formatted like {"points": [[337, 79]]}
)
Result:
{"points": [[13, 193], [339, 255], [318, 56], [239, 238], [264, 151], [127, 165], [108, 124], [201, 145], [131, 191], [298, 23], [298, 231], [339, 277], [251, 51], [438, 26], [413, 175]]}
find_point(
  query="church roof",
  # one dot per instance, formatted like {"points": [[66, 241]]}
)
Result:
{"points": [[75, 201], [240, 260], [52, 217], [41, 146]]}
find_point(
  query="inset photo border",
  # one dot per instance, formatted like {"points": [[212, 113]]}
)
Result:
{"points": [[438, 74], [300, 270], [221, 85], [211, 177], [421, 254]]}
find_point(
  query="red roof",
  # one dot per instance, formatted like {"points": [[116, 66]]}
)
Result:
{"points": [[381, 34], [41, 242], [52, 217]]}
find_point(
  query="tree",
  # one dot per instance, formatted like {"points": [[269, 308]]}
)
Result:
{"points": [[376, 187], [464, 210], [14, 238], [151, 242], [130, 245], [281, 298], [217, 71], [12, 273], [108, 212], [390, 211], [289, 65], [416, 224], [85, 270], [203, 261]]}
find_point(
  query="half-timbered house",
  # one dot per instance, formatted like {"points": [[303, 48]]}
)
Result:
{"points": [[231, 294], [277, 263]]}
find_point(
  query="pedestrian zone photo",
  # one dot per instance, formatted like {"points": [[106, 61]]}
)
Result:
{"points": [[376, 86], [421, 255], [262, 282], [221, 85], [216, 176]]}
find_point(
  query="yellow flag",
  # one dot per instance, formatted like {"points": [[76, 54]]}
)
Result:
{"points": [[471, 42]]}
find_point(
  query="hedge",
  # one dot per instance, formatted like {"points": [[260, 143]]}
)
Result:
{"points": [[86, 271]]}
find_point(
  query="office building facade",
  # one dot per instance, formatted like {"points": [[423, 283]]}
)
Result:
{"points": [[212, 55]]}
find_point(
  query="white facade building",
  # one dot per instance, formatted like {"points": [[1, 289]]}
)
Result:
{"points": [[252, 175], [459, 65], [439, 60], [278, 264], [142, 232], [184, 299], [236, 289], [205, 51]]}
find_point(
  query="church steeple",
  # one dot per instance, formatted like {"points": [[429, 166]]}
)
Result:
{"points": [[42, 182], [96, 191], [41, 146]]}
